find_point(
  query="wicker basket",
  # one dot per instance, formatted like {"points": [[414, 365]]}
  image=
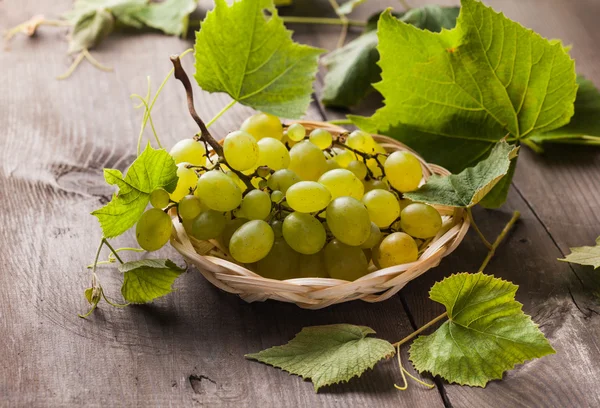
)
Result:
{"points": [[213, 261]]}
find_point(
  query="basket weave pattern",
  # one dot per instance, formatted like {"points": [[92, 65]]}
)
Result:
{"points": [[213, 261]]}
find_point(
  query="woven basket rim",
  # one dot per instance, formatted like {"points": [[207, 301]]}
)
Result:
{"points": [[217, 266]]}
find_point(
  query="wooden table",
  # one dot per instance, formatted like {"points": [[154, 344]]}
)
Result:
{"points": [[187, 349]]}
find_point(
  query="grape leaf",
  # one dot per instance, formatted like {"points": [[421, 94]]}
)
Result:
{"points": [[170, 16], [347, 7], [252, 57], [151, 170], [487, 332], [353, 68], [90, 30], [471, 185], [585, 123], [453, 95], [328, 354], [148, 279], [118, 8], [586, 255]]}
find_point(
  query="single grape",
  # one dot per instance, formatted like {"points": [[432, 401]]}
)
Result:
{"points": [[304, 233], [159, 198], [358, 168], [230, 227], [420, 220], [208, 225], [240, 150], [332, 165], [374, 237], [403, 171], [256, 205], [296, 132], [282, 180], [344, 262], [311, 266], [395, 249], [189, 151], [343, 156], [374, 184], [361, 141], [348, 220], [273, 154], [383, 207], [263, 171], [307, 161], [187, 180], [277, 227], [404, 202], [280, 263], [153, 229], [263, 125], [190, 207], [251, 242], [342, 182], [218, 191], [368, 254], [237, 179], [321, 138], [277, 196], [308, 196]]}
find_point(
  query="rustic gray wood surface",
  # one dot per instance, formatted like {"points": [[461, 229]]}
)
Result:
{"points": [[187, 349]]}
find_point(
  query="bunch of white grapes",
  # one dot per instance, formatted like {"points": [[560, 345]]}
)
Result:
{"points": [[288, 204]]}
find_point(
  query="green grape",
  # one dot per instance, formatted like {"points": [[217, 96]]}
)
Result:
{"points": [[277, 227], [311, 266], [263, 171], [187, 180], [273, 154], [218, 191], [189, 151], [342, 183], [263, 125], [187, 226], [383, 207], [374, 184], [307, 161], [237, 179], [304, 233], [404, 202], [420, 220], [277, 196], [262, 183], [240, 150], [358, 168], [256, 205], [208, 225], [320, 138], [159, 198], [344, 262], [308, 196], [282, 180], [343, 156], [280, 263], [403, 171], [230, 227], [332, 165], [296, 132], [374, 237], [368, 254], [395, 249], [190, 207], [153, 229], [251, 242], [361, 141], [348, 220]]}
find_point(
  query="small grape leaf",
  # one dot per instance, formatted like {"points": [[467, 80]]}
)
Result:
{"points": [[252, 57], [118, 8], [471, 185], [328, 354], [486, 334], [148, 279], [90, 30], [170, 16], [585, 255], [151, 170], [347, 7], [453, 95]]}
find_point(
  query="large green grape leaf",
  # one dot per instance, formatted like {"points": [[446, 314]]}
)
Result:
{"points": [[486, 334], [453, 95], [151, 170], [471, 185], [352, 69], [251, 56], [148, 279], [586, 255], [328, 354]]}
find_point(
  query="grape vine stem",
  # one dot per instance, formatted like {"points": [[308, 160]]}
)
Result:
{"points": [[477, 230], [500, 238], [321, 20]]}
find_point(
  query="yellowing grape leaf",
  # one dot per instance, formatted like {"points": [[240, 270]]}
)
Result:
{"points": [[453, 95], [148, 279], [151, 170], [486, 334], [251, 56], [328, 354], [586, 255], [469, 186]]}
